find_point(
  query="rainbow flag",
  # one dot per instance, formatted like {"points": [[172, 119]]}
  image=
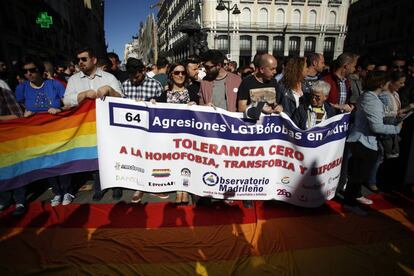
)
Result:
{"points": [[47, 145]]}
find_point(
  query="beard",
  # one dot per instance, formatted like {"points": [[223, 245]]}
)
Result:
{"points": [[212, 74]]}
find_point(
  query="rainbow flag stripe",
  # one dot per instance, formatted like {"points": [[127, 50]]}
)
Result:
{"points": [[161, 172], [47, 145], [272, 238]]}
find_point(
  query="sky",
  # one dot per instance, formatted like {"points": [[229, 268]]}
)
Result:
{"points": [[122, 18]]}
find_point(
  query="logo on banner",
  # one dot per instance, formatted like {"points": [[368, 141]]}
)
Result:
{"points": [[161, 173], [285, 180], [186, 174], [132, 179], [119, 166], [210, 179], [165, 184]]}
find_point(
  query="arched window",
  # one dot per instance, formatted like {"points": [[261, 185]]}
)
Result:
{"points": [[332, 18], [263, 17], [245, 18], [296, 17], [280, 17], [312, 18]]}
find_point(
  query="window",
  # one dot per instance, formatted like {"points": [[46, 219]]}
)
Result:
{"points": [[245, 17], [280, 17], [262, 44], [329, 44], [312, 18], [296, 17], [278, 46], [294, 46], [263, 17], [310, 43], [245, 43], [332, 18], [222, 43]]}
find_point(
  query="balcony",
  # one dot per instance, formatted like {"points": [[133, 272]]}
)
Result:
{"points": [[334, 3], [264, 1], [281, 2], [263, 27], [298, 2], [333, 28], [314, 2]]}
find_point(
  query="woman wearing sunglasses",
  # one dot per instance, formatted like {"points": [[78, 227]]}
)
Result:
{"points": [[178, 93]]}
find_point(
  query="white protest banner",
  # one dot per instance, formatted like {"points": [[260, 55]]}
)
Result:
{"points": [[215, 153]]}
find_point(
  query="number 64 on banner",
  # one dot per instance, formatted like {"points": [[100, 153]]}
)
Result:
{"points": [[128, 116]]}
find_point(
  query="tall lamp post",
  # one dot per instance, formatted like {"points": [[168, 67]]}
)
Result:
{"points": [[221, 7]]}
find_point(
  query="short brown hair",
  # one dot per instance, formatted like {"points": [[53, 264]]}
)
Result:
{"points": [[375, 80]]}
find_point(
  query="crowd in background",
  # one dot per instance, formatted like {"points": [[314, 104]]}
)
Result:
{"points": [[379, 95]]}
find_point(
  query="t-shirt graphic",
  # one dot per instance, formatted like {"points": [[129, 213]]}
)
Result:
{"points": [[265, 94]]}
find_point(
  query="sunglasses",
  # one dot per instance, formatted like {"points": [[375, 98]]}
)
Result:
{"points": [[398, 66], [83, 59], [176, 73], [226, 63], [316, 97], [30, 70], [208, 67]]}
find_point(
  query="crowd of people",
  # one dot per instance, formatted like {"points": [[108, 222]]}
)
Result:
{"points": [[379, 97]]}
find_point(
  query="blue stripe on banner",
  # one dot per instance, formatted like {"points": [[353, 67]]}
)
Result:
{"points": [[48, 161], [218, 125]]}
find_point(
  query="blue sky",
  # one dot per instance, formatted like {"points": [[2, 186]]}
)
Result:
{"points": [[122, 18]]}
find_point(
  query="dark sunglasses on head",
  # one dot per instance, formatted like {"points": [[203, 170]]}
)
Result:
{"points": [[83, 59], [30, 70], [176, 73]]}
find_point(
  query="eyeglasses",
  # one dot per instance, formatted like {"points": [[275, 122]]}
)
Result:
{"points": [[208, 67], [30, 70], [397, 66], [316, 97], [176, 73], [83, 59]]}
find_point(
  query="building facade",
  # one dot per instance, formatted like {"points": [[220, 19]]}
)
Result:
{"points": [[145, 45], [280, 27], [381, 28], [75, 23]]}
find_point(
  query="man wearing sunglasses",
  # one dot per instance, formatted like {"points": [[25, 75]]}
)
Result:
{"points": [[91, 82], [219, 87]]}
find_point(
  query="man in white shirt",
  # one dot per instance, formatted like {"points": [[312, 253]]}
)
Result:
{"points": [[92, 83]]}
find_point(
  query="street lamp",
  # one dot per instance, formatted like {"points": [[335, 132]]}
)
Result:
{"points": [[221, 7]]}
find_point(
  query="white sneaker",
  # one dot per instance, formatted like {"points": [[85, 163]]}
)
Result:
{"points": [[56, 201], [364, 200], [67, 199]]}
